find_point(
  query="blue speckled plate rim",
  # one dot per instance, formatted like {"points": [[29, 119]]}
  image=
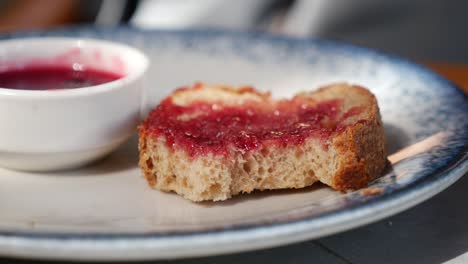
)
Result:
{"points": [[454, 169]]}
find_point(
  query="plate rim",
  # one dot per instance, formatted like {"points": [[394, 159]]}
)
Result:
{"points": [[69, 245], [227, 241]]}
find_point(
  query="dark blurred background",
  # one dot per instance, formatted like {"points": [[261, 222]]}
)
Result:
{"points": [[424, 30]]}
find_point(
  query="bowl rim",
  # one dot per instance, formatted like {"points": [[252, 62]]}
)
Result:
{"points": [[82, 91]]}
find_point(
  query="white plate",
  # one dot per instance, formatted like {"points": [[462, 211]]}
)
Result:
{"points": [[106, 211]]}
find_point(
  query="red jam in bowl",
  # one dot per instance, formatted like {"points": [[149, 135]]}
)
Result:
{"points": [[243, 128], [54, 77]]}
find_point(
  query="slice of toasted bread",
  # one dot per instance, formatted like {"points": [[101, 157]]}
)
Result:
{"points": [[212, 142]]}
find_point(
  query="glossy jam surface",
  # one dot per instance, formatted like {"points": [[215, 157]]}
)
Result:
{"points": [[202, 128], [54, 77]]}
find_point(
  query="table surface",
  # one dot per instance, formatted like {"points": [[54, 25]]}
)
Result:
{"points": [[435, 231]]}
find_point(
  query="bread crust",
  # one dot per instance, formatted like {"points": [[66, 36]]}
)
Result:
{"points": [[351, 159]]}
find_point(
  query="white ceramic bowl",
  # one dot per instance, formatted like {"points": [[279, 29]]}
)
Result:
{"points": [[62, 129]]}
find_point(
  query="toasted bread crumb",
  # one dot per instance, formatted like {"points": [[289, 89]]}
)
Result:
{"points": [[372, 191]]}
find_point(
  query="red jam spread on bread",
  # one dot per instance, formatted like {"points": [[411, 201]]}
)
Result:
{"points": [[201, 128]]}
